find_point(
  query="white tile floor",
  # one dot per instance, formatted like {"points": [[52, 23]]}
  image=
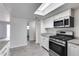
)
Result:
{"points": [[31, 49]]}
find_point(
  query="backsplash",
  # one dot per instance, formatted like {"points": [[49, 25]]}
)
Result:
{"points": [[53, 30]]}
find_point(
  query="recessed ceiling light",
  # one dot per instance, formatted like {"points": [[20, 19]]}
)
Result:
{"points": [[46, 8], [43, 6], [27, 27]]}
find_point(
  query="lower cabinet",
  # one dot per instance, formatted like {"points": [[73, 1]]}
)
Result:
{"points": [[73, 50], [5, 50], [45, 42]]}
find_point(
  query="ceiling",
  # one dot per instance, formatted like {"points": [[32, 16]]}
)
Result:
{"points": [[22, 10], [26, 10]]}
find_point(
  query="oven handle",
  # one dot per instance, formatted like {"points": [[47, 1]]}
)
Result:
{"points": [[57, 43]]}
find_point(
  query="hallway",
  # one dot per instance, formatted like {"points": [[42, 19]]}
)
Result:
{"points": [[31, 49]]}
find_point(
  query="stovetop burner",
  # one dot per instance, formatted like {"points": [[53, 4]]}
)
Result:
{"points": [[63, 35], [65, 38]]}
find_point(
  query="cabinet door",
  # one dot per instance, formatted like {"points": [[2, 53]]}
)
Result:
{"points": [[49, 23], [46, 43], [73, 50], [43, 26], [41, 41]]}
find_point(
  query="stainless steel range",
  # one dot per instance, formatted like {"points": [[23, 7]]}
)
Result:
{"points": [[58, 43]]}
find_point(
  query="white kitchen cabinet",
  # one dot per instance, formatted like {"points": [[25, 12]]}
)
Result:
{"points": [[73, 50], [43, 27], [48, 23], [45, 42]]}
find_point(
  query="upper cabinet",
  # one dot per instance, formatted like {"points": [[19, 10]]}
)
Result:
{"points": [[4, 14], [63, 19], [48, 23], [43, 26]]}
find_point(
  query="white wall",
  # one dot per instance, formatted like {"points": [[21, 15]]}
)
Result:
{"points": [[4, 18], [4, 14], [35, 30], [32, 31], [18, 32], [38, 31]]}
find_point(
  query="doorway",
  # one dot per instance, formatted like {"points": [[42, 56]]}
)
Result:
{"points": [[28, 33]]}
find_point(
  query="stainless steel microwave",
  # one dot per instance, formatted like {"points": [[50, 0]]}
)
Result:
{"points": [[65, 22]]}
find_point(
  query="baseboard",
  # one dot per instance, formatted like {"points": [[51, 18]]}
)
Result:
{"points": [[18, 46]]}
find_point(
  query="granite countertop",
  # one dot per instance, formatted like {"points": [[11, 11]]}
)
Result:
{"points": [[3, 43], [74, 41], [47, 34]]}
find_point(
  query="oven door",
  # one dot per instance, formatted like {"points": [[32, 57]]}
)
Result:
{"points": [[59, 49]]}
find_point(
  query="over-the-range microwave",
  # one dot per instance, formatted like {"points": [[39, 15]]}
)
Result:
{"points": [[65, 22]]}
